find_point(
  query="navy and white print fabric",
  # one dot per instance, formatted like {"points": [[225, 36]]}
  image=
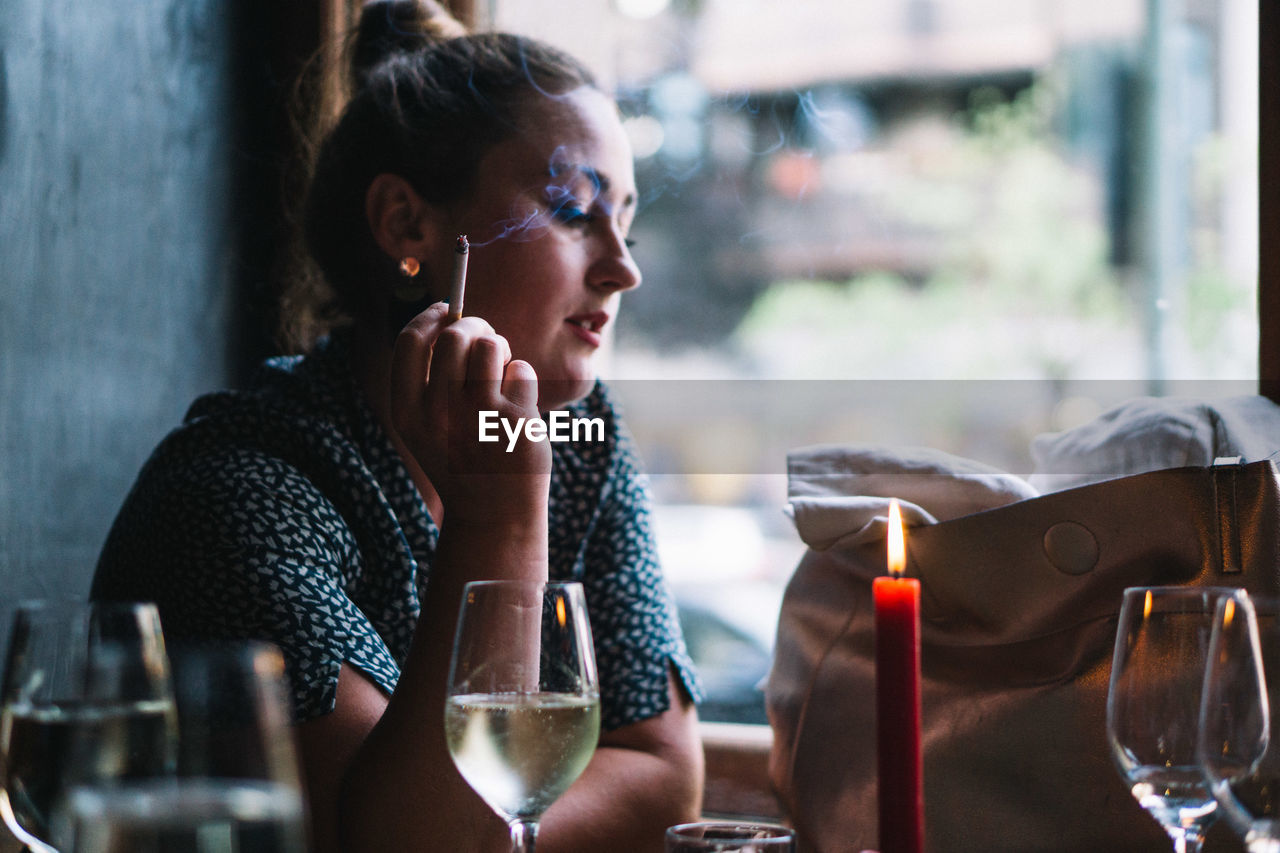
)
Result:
{"points": [[283, 513]]}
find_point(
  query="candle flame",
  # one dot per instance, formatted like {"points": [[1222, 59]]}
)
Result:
{"points": [[897, 544], [561, 616], [1228, 613], [1146, 605]]}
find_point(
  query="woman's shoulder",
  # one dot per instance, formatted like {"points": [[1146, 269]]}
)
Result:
{"points": [[258, 466], [291, 421]]}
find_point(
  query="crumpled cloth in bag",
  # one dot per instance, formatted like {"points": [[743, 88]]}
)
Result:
{"points": [[1016, 645]]}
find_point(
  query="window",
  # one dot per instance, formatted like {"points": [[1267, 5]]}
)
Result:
{"points": [[951, 223]]}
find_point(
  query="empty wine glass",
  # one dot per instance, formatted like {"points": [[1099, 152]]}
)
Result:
{"points": [[1153, 706], [522, 715], [86, 698], [1238, 750], [237, 784]]}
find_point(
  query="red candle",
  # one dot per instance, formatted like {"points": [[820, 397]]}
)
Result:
{"points": [[897, 603]]}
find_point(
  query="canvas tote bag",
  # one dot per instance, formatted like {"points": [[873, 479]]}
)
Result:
{"points": [[1019, 607]]}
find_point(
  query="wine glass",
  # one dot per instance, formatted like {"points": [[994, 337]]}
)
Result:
{"points": [[1237, 749], [730, 837], [237, 783], [522, 715], [1153, 706], [86, 697]]}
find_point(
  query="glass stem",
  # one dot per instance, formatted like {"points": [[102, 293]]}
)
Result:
{"points": [[524, 834], [1186, 841]]}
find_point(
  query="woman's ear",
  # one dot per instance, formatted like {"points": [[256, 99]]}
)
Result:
{"points": [[403, 224]]}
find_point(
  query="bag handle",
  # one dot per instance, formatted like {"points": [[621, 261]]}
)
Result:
{"points": [[1226, 479]]}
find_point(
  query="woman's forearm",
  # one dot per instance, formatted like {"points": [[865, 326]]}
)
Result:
{"points": [[402, 790], [642, 779]]}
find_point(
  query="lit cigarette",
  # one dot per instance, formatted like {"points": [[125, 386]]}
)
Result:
{"points": [[459, 286]]}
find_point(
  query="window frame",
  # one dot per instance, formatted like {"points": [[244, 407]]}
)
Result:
{"points": [[1268, 203]]}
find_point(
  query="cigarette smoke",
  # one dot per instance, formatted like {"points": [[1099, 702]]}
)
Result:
{"points": [[572, 189]]}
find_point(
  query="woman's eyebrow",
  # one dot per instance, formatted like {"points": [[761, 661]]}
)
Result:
{"points": [[602, 183]]}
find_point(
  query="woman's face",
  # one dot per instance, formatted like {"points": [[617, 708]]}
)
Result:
{"points": [[547, 219]]}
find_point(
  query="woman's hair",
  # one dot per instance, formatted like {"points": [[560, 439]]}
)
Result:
{"points": [[426, 102]]}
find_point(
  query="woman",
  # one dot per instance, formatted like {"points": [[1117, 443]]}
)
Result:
{"points": [[338, 505]]}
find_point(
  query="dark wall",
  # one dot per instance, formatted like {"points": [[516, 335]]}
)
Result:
{"points": [[121, 265]]}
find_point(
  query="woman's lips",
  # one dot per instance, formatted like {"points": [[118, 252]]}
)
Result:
{"points": [[588, 326]]}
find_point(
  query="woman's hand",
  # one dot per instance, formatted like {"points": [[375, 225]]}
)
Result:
{"points": [[443, 375], [376, 759]]}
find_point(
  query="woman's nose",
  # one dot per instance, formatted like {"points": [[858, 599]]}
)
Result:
{"points": [[615, 270]]}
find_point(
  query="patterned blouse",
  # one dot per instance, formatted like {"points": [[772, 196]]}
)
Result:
{"points": [[283, 513]]}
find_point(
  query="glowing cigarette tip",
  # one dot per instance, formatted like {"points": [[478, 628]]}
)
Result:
{"points": [[458, 289]]}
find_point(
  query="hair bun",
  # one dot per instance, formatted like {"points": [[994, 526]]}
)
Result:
{"points": [[388, 27]]}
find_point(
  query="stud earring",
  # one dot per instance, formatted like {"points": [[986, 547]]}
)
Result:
{"points": [[408, 290]]}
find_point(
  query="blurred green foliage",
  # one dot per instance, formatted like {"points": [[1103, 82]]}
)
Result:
{"points": [[1021, 287]]}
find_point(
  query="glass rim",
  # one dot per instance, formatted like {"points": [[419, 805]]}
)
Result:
{"points": [[781, 831], [1259, 604], [1180, 589], [1173, 598], [514, 582], [33, 613], [52, 603]]}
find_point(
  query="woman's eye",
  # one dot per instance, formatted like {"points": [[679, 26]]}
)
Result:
{"points": [[571, 214]]}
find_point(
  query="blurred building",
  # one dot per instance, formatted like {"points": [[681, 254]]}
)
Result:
{"points": [[773, 139]]}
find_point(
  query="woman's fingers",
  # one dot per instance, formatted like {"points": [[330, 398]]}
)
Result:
{"points": [[520, 384], [488, 356], [435, 359], [452, 347], [411, 358], [452, 355], [443, 374]]}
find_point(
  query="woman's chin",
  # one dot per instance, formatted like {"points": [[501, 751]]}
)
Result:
{"points": [[558, 393]]}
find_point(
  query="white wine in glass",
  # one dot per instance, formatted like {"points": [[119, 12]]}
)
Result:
{"points": [[237, 786], [1153, 706], [86, 699], [1239, 747], [522, 715]]}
